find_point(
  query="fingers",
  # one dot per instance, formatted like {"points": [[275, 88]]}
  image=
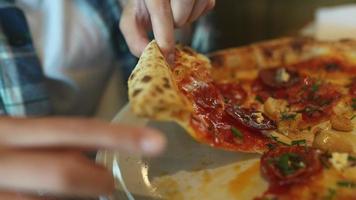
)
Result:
{"points": [[200, 7], [162, 26], [62, 174], [134, 27], [181, 10], [17, 196], [78, 133]]}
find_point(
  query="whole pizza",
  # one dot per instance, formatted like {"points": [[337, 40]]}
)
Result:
{"points": [[291, 99]]}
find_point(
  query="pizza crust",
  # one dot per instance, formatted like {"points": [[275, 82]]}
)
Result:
{"points": [[152, 91], [284, 51]]}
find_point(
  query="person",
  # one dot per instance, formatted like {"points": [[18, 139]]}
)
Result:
{"points": [[61, 70]]}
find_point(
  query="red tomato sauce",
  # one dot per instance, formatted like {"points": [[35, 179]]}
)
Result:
{"points": [[313, 98], [211, 121], [280, 182]]}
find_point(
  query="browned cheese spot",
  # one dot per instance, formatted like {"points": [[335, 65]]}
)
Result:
{"points": [[136, 92], [166, 83], [217, 61], [160, 109], [267, 52], [159, 90], [132, 76], [146, 79], [297, 45], [345, 40]]}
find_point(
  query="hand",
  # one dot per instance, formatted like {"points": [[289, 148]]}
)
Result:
{"points": [[46, 155], [161, 16]]}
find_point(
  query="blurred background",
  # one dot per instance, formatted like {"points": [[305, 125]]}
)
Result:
{"points": [[239, 22]]}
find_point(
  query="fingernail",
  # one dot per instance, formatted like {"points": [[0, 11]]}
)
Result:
{"points": [[170, 58], [153, 142]]}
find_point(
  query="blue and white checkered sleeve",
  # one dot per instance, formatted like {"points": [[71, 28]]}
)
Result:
{"points": [[22, 89]]}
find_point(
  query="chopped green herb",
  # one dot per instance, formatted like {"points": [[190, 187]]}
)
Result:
{"points": [[351, 158], [288, 116], [353, 104], [315, 87], [299, 142], [271, 146], [309, 110], [325, 102], [226, 100], [353, 117], [259, 99], [347, 184], [236, 133], [309, 128], [276, 139], [331, 194], [289, 163]]}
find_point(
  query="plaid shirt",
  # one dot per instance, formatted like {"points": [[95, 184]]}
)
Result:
{"points": [[22, 82]]}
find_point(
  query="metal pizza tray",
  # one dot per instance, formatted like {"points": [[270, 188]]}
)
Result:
{"points": [[133, 173]]}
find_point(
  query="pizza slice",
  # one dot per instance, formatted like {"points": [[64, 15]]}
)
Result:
{"points": [[287, 91], [186, 93], [283, 173]]}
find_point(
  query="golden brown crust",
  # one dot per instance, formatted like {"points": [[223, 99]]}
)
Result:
{"points": [[284, 51], [152, 91]]}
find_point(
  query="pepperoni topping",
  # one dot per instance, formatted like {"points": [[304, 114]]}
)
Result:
{"points": [[313, 98], [251, 119], [284, 166], [352, 88], [233, 93], [278, 77], [212, 123]]}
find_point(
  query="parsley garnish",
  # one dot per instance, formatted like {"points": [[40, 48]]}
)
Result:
{"points": [[351, 158], [315, 87], [310, 109], [288, 163], [331, 194], [353, 116], [271, 146], [299, 142], [353, 104], [259, 99], [347, 184], [288, 116], [236, 133], [276, 139]]}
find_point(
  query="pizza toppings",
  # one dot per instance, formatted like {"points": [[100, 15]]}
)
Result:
{"points": [[346, 184], [286, 166], [278, 77], [254, 120], [236, 133], [233, 93], [290, 165], [341, 123], [339, 160]]}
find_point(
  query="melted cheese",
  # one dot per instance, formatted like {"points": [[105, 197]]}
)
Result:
{"points": [[339, 160]]}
